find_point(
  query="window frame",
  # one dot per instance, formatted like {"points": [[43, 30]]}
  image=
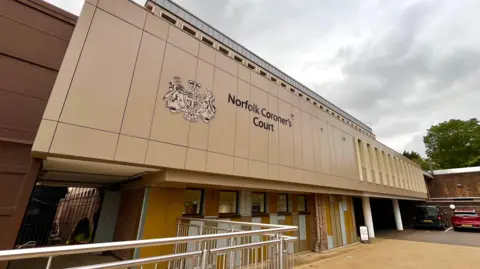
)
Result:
{"points": [[265, 212], [229, 215], [202, 198], [305, 212], [287, 212]]}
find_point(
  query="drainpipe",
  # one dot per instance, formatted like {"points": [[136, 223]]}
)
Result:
{"points": [[317, 225]]}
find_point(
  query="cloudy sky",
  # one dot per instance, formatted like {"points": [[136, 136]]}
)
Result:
{"points": [[399, 66]]}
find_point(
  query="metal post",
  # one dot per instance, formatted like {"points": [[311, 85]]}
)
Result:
{"points": [[204, 259], [280, 252]]}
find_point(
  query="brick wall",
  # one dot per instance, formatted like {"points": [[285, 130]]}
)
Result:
{"points": [[443, 186]]}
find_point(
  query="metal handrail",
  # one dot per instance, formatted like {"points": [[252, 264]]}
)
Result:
{"points": [[142, 261], [17, 254]]}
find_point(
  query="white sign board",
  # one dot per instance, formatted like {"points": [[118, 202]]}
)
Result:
{"points": [[363, 233]]}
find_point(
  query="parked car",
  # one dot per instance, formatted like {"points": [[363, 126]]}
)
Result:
{"points": [[465, 219], [429, 216]]}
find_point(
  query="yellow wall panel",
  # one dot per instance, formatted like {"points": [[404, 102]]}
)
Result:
{"points": [[165, 206]]}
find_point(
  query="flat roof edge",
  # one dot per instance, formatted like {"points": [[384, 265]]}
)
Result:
{"points": [[187, 16]]}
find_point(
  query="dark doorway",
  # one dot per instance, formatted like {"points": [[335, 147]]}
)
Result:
{"points": [[59, 215], [382, 214]]}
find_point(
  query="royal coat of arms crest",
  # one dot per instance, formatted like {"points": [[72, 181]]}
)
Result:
{"points": [[190, 101]]}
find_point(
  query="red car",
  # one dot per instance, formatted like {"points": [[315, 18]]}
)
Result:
{"points": [[465, 218]]}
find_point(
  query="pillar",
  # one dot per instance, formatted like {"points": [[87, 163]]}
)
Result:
{"points": [[398, 216], [367, 215]]}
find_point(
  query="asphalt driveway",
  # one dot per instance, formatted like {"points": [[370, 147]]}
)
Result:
{"points": [[449, 236]]}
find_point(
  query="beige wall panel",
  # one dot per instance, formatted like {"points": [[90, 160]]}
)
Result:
{"points": [[403, 170], [44, 137], [198, 134], [258, 149], [240, 167], [287, 174], [297, 137], [88, 142], [325, 148], [412, 178], [317, 150], [99, 90], [243, 122], [309, 178], [196, 159], [307, 142], [350, 157], [273, 172], [222, 129], [295, 99], [258, 169], [298, 175], [285, 136], [227, 64], [131, 149], [93, 2], [333, 150], [69, 63], [125, 10], [183, 41], [219, 163], [167, 126], [262, 83], [244, 73], [305, 106], [273, 141], [285, 95], [206, 53], [141, 99], [165, 155], [156, 26]]}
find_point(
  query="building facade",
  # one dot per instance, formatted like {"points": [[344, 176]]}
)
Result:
{"points": [[34, 36], [459, 187], [189, 123]]}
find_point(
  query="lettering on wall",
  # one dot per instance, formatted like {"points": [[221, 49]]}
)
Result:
{"points": [[263, 112], [190, 101]]}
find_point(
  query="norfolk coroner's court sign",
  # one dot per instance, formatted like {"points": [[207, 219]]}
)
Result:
{"points": [[254, 108], [196, 106]]}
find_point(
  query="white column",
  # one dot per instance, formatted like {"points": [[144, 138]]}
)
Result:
{"points": [[367, 215], [398, 216]]}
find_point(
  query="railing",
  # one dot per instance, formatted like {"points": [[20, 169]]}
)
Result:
{"points": [[200, 244]]}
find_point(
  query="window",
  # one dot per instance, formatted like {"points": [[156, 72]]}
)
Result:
{"points": [[193, 202], [228, 202], [207, 41], [302, 203], [282, 202], [188, 30], [258, 202], [263, 73], [168, 18], [251, 66], [223, 50], [238, 59]]}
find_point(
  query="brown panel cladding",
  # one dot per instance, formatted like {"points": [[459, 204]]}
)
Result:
{"points": [[18, 172], [34, 37], [128, 219], [447, 186]]}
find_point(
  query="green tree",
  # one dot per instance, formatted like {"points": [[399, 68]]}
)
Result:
{"points": [[454, 143], [424, 163]]}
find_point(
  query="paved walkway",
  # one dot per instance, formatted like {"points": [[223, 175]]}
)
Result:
{"points": [[449, 236], [392, 254]]}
